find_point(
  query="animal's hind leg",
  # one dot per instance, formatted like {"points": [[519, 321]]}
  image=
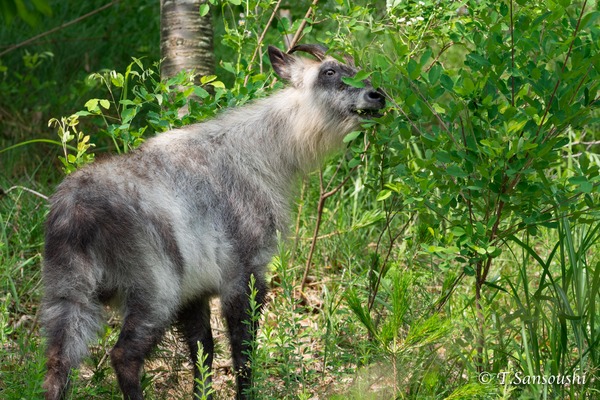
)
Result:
{"points": [[194, 323], [242, 331], [142, 330]]}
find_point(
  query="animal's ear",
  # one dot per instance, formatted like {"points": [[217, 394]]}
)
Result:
{"points": [[281, 62]]}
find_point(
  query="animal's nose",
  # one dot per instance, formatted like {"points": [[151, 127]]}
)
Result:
{"points": [[375, 96]]}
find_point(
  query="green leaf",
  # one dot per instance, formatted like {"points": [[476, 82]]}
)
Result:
{"points": [[454, 170], [42, 6], [467, 87], [589, 19], [204, 9], [200, 92], [582, 183], [457, 231], [128, 114], [117, 79], [384, 194], [354, 81], [447, 82], [207, 79], [413, 69], [227, 66], [218, 84], [469, 271], [443, 156], [362, 75], [434, 74], [478, 60], [91, 105], [493, 285], [351, 136], [438, 109], [354, 162], [83, 113]]}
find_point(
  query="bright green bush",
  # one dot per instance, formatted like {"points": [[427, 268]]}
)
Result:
{"points": [[477, 152]]}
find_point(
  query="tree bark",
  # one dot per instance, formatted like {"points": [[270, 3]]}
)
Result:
{"points": [[186, 41]]}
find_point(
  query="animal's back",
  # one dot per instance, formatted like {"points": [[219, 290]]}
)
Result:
{"points": [[132, 214]]}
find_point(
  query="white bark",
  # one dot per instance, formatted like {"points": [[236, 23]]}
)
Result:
{"points": [[186, 41]]}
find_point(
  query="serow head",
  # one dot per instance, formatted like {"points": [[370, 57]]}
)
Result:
{"points": [[322, 81]]}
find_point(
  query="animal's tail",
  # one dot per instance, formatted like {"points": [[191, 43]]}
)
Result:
{"points": [[71, 312], [71, 319]]}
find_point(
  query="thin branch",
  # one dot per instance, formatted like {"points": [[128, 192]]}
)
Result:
{"points": [[592, 143], [260, 40], [324, 195], [512, 54], [298, 221], [300, 30], [435, 113], [575, 32], [444, 299], [58, 28], [296, 37], [393, 240], [442, 50], [38, 194], [322, 198]]}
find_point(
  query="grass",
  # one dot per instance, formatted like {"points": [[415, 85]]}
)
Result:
{"points": [[21, 217], [324, 342]]}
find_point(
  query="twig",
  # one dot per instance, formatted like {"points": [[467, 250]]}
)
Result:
{"points": [[298, 220], [325, 236], [442, 300], [512, 55], [393, 240], [260, 40], [436, 59], [562, 71], [296, 37], [322, 198], [298, 33], [592, 143], [26, 190], [58, 28]]}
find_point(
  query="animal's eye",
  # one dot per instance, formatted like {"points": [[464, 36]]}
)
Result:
{"points": [[330, 72]]}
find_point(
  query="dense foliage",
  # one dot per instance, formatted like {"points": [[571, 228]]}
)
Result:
{"points": [[450, 253]]}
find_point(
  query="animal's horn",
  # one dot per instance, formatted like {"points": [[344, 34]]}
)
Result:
{"points": [[317, 50]]}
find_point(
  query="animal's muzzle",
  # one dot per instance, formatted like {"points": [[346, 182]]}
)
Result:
{"points": [[369, 104], [375, 99]]}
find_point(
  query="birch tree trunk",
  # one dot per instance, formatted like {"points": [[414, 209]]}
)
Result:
{"points": [[186, 38]]}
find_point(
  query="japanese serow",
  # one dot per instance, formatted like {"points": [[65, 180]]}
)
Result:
{"points": [[192, 213]]}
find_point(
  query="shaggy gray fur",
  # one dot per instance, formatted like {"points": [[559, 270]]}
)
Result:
{"points": [[191, 214]]}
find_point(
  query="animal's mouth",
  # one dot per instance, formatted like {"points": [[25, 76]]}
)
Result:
{"points": [[367, 113], [369, 105]]}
